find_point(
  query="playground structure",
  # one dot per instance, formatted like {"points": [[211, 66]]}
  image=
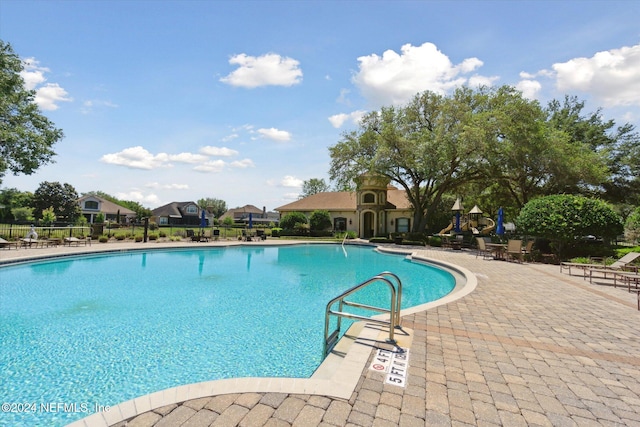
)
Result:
{"points": [[473, 222]]}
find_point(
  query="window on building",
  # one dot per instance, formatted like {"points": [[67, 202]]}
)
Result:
{"points": [[369, 198], [192, 209], [91, 205], [164, 220], [402, 225], [340, 224]]}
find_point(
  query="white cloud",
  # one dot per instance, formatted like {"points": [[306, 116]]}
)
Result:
{"points": [[136, 158], [395, 78], [33, 73], [291, 181], [337, 120], [138, 196], [213, 166], [89, 105], [230, 137], [47, 96], [242, 164], [167, 186], [291, 196], [275, 134], [266, 70], [529, 88], [610, 76], [218, 151], [187, 158]]}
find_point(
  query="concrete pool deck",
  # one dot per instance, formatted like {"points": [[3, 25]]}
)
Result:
{"points": [[529, 346]]}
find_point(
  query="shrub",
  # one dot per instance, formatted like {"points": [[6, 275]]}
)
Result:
{"points": [[566, 219], [120, 237], [320, 220], [138, 238], [152, 236], [103, 239], [435, 241], [162, 234], [632, 227], [275, 232], [292, 220]]}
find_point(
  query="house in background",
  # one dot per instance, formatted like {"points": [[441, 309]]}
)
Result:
{"points": [[375, 209], [178, 213], [258, 216], [91, 206]]}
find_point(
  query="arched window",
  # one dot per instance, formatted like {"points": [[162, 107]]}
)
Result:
{"points": [[369, 198]]}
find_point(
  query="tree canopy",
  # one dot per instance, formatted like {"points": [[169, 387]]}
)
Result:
{"points": [[26, 136], [313, 186], [490, 142], [63, 198], [217, 206]]}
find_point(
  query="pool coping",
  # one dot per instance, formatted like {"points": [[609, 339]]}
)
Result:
{"points": [[337, 376]]}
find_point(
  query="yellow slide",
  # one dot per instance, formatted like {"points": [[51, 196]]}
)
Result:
{"points": [[488, 228], [446, 230]]}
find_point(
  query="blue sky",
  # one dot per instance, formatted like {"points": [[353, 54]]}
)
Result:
{"points": [[165, 101]]}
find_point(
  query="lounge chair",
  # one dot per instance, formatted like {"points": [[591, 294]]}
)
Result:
{"points": [[8, 244], [482, 249], [514, 250], [620, 264]]}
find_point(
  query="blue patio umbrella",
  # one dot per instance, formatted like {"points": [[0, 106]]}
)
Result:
{"points": [[250, 220], [457, 222], [203, 220], [500, 229]]}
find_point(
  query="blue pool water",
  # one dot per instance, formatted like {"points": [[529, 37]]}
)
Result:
{"points": [[105, 329]]}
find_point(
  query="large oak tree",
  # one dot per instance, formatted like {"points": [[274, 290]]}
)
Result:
{"points": [[26, 136]]}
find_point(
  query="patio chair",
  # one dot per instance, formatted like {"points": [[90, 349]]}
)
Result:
{"points": [[482, 249], [527, 250], [621, 264], [8, 244], [216, 234], [514, 250]]}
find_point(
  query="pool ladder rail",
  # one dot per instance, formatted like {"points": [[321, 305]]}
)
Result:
{"points": [[395, 286]]}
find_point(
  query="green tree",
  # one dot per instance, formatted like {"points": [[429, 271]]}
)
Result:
{"points": [[564, 219], [12, 198], [430, 147], [619, 147], [292, 220], [216, 206], [632, 226], [62, 197], [26, 136], [48, 216], [529, 157], [313, 186], [22, 214], [320, 220]]}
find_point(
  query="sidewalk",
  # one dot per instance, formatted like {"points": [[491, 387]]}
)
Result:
{"points": [[530, 346]]}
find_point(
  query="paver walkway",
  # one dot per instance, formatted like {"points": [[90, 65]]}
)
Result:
{"points": [[529, 347]]}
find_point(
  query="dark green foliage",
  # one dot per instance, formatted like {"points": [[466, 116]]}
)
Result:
{"points": [[291, 220], [566, 220], [320, 220], [26, 136], [63, 198]]}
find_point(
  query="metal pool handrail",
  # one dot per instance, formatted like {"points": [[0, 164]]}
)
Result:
{"points": [[394, 309]]}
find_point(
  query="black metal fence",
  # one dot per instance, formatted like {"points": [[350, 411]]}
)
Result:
{"points": [[17, 231]]}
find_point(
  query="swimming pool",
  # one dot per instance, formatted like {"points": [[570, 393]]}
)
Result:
{"points": [[105, 329]]}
